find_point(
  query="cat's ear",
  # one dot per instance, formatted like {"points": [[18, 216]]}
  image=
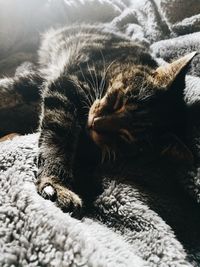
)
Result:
{"points": [[165, 75]]}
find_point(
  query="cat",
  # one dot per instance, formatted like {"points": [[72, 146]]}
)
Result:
{"points": [[103, 93], [103, 96]]}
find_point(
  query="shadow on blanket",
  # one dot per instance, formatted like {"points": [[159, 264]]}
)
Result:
{"points": [[155, 220]]}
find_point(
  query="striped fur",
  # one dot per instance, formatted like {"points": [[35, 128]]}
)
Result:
{"points": [[19, 103], [91, 72]]}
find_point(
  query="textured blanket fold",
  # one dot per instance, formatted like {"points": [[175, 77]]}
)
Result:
{"points": [[36, 233], [153, 221]]}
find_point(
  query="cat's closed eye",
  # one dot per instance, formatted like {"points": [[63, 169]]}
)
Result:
{"points": [[110, 98]]}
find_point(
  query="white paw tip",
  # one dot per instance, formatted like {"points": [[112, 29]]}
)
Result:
{"points": [[49, 190]]}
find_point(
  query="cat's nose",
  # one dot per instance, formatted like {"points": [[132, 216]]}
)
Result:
{"points": [[95, 123], [90, 121], [98, 124]]}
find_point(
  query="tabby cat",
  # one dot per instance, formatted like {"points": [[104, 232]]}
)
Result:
{"points": [[103, 95]]}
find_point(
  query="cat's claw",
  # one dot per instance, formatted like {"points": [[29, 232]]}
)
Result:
{"points": [[49, 192]]}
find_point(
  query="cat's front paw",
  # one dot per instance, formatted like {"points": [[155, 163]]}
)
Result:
{"points": [[51, 188]]}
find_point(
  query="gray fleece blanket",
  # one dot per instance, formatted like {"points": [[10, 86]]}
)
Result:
{"points": [[150, 222]]}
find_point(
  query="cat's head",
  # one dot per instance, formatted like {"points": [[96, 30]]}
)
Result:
{"points": [[139, 103]]}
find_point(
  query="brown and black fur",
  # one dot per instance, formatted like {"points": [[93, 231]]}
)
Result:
{"points": [[100, 87], [20, 101], [103, 96]]}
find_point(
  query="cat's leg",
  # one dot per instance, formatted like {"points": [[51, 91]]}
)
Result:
{"points": [[59, 132]]}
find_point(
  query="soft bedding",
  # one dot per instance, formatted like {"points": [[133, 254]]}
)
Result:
{"points": [[143, 223]]}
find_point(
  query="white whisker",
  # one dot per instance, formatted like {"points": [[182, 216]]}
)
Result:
{"points": [[103, 80], [77, 85], [87, 81], [95, 85], [88, 97]]}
